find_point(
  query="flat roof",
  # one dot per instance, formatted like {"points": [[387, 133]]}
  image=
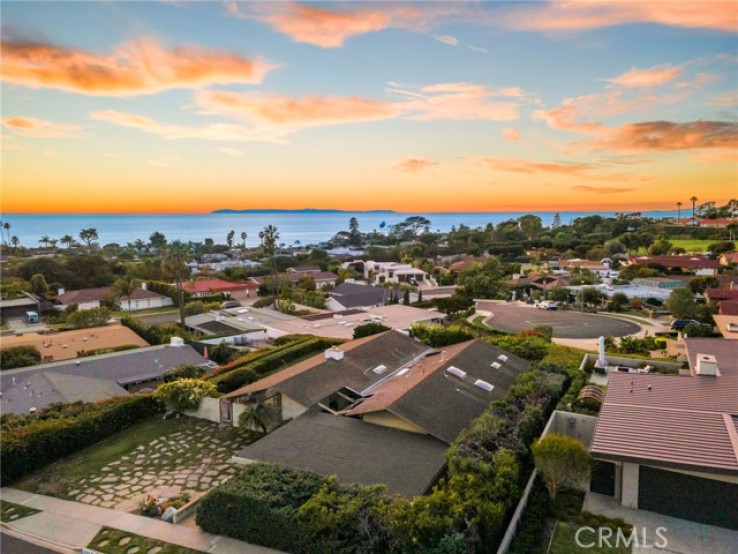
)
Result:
{"points": [[355, 451], [727, 325], [65, 345]]}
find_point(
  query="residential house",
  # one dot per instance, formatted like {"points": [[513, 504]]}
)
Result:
{"points": [[727, 324], [17, 307], [599, 268], [350, 295], [669, 444], [321, 278], [664, 283], [717, 222], [92, 378], [378, 273], [141, 298], [729, 258], [717, 296], [229, 289], [381, 409]]}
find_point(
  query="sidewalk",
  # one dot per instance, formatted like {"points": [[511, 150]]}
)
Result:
{"points": [[74, 524]]}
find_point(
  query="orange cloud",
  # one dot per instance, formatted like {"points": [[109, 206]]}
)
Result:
{"points": [[513, 135], [602, 190], [666, 135], [329, 28], [140, 67], [654, 76], [571, 169], [415, 164], [39, 128], [460, 101], [579, 15], [279, 110], [215, 132]]}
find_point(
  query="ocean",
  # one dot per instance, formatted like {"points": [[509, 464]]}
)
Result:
{"points": [[306, 227]]}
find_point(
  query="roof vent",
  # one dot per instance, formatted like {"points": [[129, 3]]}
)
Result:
{"points": [[334, 354], [484, 385], [460, 373], [176, 341], [502, 358], [403, 372], [707, 365], [380, 369], [495, 365]]}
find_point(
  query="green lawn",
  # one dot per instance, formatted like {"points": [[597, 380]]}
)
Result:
{"points": [[694, 245], [55, 478], [113, 541], [564, 541], [13, 512]]}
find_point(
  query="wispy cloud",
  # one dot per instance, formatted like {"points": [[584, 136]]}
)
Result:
{"points": [[293, 112], [603, 190], [479, 49], [654, 76], [223, 132], [459, 101], [230, 151], [512, 135], [413, 165], [584, 170], [330, 28], [39, 128], [578, 15], [667, 135], [446, 39], [140, 67]]}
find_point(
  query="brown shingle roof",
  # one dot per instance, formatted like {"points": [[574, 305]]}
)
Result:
{"points": [[101, 293], [692, 262]]}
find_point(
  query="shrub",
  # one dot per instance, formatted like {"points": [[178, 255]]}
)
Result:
{"points": [[533, 348], [185, 394], [562, 460], [369, 329], [436, 335], [19, 356], [263, 302], [31, 446], [84, 319]]}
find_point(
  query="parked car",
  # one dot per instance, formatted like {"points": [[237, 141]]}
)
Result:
{"points": [[680, 324], [230, 304], [548, 305]]}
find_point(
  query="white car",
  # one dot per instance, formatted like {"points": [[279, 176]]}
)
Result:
{"points": [[548, 305]]}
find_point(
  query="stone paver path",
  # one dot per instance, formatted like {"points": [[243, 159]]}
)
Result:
{"points": [[192, 461]]}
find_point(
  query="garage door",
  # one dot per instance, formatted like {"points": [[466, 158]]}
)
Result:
{"points": [[688, 497]]}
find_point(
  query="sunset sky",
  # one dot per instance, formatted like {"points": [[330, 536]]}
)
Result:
{"points": [[178, 107]]}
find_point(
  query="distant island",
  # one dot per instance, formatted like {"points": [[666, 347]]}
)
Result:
{"points": [[304, 210]]}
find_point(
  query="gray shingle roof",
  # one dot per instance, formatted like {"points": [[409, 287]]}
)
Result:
{"points": [[354, 451], [351, 295]]}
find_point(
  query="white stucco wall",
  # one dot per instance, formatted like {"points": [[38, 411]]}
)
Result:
{"points": [[209, 409]]}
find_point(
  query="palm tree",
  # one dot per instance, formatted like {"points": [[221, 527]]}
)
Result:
{"points": [[125, 286], [6, 226], [693, 200], [256, 415], [269, 237], [67, 239], [2, 239], [53, 242], [174, 260], [15, 241], [45, 239], [679, 212], [243, 238]]}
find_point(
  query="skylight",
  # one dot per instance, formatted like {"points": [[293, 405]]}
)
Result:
{"points": [[484, 385], [380, 369], [460, 373], [403, 372], [496, 365], [502, 358]]}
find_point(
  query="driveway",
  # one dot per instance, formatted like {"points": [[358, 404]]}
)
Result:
{"points": [[566, 324]]}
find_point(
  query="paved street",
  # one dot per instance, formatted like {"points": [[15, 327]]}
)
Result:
{"points": [[10, 544]]}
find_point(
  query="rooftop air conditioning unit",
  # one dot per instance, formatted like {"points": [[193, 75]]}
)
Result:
{"points": [[334, 354]]}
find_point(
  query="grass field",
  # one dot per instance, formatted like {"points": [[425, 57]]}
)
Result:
{"points": [[694, 245]]}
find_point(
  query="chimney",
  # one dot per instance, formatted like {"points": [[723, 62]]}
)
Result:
{"points": [[707, 365], [144, 286], [176, 341], [59, 292], [334, 353], [601, 360]]}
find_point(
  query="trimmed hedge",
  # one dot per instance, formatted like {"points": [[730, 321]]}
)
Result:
{"points": [[43, 441], [19, 356], [243, 375]]}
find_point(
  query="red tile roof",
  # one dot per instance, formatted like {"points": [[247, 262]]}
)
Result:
{"points": [[722, 294], [729, 307], [216, 285]]}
